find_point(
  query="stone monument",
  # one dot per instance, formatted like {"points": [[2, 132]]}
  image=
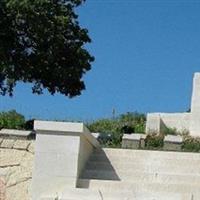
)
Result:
{"points": [[188, 121]]}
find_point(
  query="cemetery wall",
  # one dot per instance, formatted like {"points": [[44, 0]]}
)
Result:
{"points": [[16, 164]]}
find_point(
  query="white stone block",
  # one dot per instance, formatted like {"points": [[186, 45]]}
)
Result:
{"points": [[85, 150], [56, 143], [195, 125], [131, 141], [56, 164], [43, 186], [172, 142], [58, 126], [61, 151], [195, 104], [173, 138], [179, 121], [153, 123]]}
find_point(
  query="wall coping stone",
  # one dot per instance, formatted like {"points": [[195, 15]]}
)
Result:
{"points": [[173, 139], [64, 128], [58, 126], [14, 132], [134, 136]]}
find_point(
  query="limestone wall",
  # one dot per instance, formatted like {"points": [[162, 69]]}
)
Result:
{"points": [[180, 121], [85, 150], [16, 163], [195, 105], [156, 122], [61, 152]]}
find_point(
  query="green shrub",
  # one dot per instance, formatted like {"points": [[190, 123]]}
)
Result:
{"points": [[170, 131], [113, 129], [103, 126], [140, 127], [11, 120], [154, 141], [191, 144], [110, 132], [134, 121]]}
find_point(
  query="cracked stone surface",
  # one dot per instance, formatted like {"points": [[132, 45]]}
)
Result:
{"points": [[2, 189], [21, 144], [7, 143], [16, 164]]}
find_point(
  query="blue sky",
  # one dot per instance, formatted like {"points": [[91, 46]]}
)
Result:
{"points": [[146, 53]]}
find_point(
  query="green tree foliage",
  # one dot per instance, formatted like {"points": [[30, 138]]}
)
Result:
{"points": [[12, 120], [41, 42], [112, 129]]}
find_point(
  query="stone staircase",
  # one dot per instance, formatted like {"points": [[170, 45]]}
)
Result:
{"points": [[121, 174]]}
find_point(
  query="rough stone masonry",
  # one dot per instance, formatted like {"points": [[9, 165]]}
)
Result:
{"points": [[16, 164]]}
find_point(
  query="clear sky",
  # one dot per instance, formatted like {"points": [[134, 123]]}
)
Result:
{"points": [[146, 53]]}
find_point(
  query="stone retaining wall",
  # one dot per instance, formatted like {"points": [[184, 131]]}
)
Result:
{"points": [[16, 164]]}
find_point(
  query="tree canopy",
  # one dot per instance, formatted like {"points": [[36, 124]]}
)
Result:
{"points": [[41, 42]]}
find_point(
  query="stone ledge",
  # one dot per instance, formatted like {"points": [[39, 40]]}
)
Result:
{"points": [[176, 139], [13, 132], [134, 136], [58, 126], [64, 128]]}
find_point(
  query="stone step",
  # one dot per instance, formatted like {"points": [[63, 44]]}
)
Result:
{"points": [[88, 194], [136, 186], [154, 166], [144, 176], [145, 155]]}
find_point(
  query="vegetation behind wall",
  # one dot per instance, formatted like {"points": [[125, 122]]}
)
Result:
{"points": [[14, 120], [112, 129]]}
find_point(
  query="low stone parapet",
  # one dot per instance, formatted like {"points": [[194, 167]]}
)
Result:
{"points": [[173, 142], [133, 141]]}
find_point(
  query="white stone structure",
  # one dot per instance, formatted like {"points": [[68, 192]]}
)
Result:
{"points": [[173, 142], [133, 141], [65, 167], [61, 151], [190, 121]]}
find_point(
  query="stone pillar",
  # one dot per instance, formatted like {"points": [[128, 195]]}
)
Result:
{"points": [[61, 151], [195, 107], [154, 123]]}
